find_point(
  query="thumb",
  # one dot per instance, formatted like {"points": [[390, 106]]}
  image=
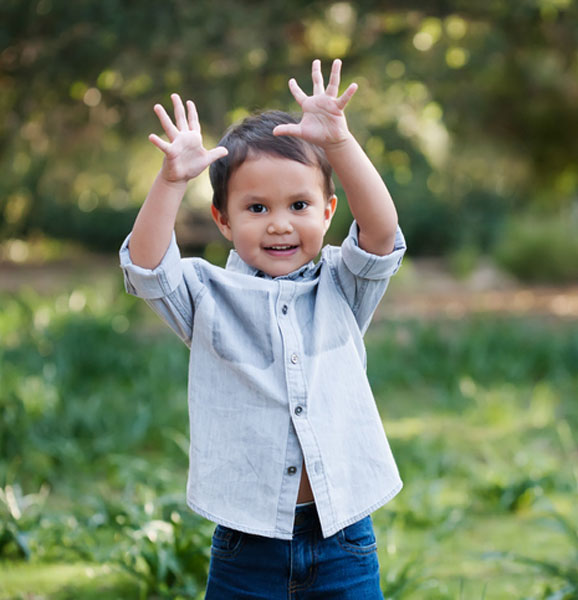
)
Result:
{"points": [[288, 129], [216, 153]]}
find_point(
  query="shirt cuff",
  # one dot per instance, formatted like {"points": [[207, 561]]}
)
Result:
{"points": [[371, 266], [152, 283]]}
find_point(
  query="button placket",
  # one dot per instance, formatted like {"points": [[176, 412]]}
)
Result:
{"points": [[295, 380]]}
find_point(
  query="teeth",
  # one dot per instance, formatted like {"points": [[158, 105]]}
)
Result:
{"points": [[280, 247]]}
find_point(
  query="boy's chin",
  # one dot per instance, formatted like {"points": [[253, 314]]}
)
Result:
{"points": [[278, 270], [274, 264]]}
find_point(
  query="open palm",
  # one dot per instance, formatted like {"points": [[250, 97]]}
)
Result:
{"points": [[323, 122], [185, 155]]}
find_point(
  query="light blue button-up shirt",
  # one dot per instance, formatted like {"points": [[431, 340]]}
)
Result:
{"points": [[277, 377]]}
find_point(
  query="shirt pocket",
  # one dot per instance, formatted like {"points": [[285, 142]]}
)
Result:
{"points": [[358, 538], [241, 330], [226, 543], [323, 322]]}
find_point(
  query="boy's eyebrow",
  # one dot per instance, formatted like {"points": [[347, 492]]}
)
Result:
{"points": [[305, 194], [292, 197]]}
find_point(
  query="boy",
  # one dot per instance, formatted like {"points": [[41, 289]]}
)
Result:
{"points": [[288, 454]]}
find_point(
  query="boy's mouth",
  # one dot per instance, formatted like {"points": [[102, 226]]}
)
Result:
{"points": [[281, 249]]}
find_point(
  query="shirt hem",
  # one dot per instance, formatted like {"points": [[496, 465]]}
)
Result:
{"points": [[289, 536], [339, 526], [219, 521]]}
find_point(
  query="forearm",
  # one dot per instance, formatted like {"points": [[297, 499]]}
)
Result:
{"points": [[367, 195], [155, 222]]}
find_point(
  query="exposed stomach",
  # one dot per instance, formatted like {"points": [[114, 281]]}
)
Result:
{"points": [[305, 492]]}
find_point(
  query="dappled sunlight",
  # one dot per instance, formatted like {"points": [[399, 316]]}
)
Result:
{"points": [[331, 35], [478, 102], [487, 414]]}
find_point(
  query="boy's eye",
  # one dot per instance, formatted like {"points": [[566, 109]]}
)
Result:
{"points": [[257, 208], [299, 205]]}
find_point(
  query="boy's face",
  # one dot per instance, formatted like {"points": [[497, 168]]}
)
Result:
{"points": [[277, 213]]}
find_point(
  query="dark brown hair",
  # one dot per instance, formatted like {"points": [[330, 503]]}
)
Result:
{"points": [[254, 135]]}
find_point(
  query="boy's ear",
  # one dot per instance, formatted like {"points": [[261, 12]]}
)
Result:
{"points": [[222, 222], [330, 208]]}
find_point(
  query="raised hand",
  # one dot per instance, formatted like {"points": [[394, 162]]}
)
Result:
{"points": [[323, 122], [185, 155]]}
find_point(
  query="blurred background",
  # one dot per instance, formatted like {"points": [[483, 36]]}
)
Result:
{"points": [[468, 109]]}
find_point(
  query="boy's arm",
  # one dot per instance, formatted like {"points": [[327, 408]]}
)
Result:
{"points": [[324, 124], [185, 158], [367, 195]]}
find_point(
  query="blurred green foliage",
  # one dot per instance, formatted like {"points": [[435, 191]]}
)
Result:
{"points": [[541, 248], [467, 108], [78, 385]]}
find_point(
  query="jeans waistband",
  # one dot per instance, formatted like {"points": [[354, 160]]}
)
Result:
{"points": [[306, 519]]}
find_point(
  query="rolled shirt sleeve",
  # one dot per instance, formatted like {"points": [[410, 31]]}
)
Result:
{"points": [[152, 283], [363, 277], [371, 266], [167, 289]]}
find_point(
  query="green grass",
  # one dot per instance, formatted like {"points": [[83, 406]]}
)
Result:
{"points": [[481, 413], [65, 582]]}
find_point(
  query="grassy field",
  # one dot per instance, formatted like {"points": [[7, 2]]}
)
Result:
{"points": [[481, 412]]}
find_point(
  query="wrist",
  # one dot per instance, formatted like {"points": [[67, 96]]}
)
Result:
{"points": [[177, 185], [341, 144]]}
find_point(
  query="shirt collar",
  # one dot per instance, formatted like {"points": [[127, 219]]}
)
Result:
{"points": [[236, 264]]}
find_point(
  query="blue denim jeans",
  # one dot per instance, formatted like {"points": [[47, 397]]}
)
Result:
{"points": [[341, 567]]}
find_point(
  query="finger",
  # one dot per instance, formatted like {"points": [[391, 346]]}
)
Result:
{"points": [[334, 79], [317, 76], [346, 96], [192, 116], [180, 116], [288, 129], [159, 142], [216, 153], [297, 92], [166, 122]]}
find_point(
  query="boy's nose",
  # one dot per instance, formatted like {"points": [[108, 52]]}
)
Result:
{"points": [[279, 226]]}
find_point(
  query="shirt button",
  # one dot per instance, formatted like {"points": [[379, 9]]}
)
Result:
{"points": [[292, 470], [294, 358], [284, 309], [298, 410]]}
